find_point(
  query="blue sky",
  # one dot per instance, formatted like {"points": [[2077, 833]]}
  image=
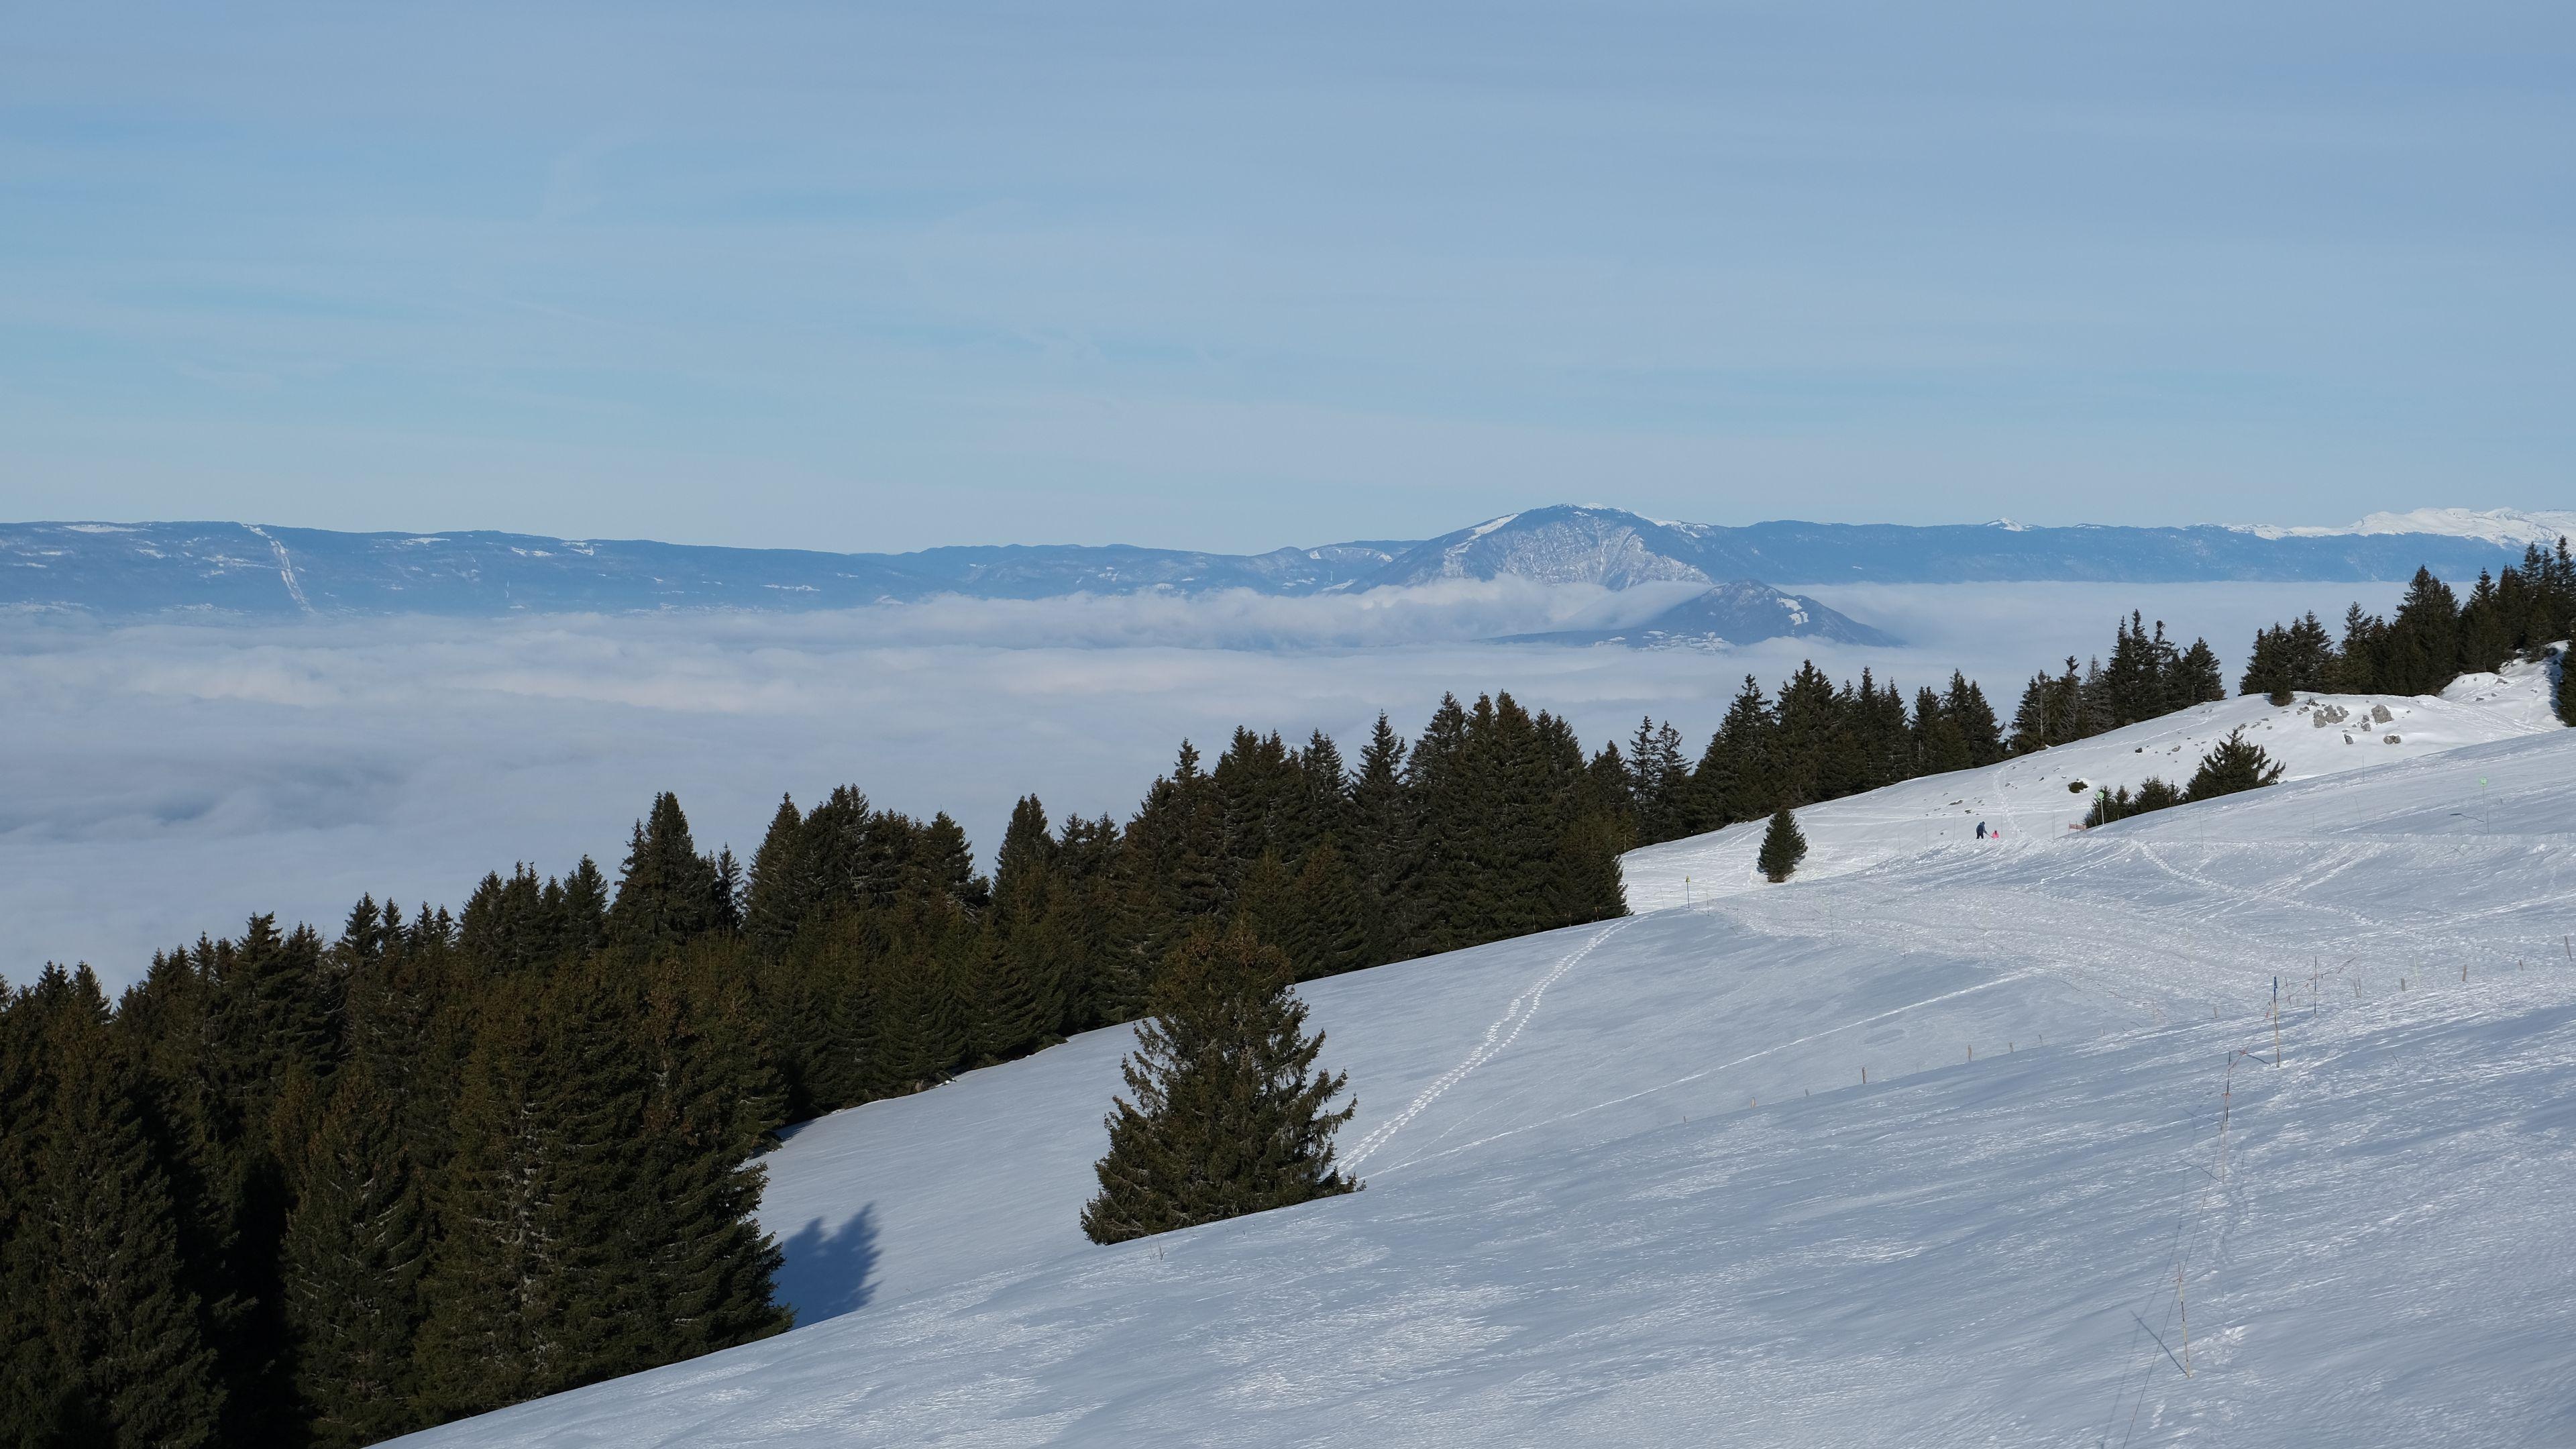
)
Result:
{"points": [[888, 276]]}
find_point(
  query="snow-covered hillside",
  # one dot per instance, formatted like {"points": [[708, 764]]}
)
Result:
{"points": [[1627, 1186], [2316, 734]]}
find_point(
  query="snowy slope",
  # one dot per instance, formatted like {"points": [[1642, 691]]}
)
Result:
{"points": [[2029, 796], [1626, 1187]]}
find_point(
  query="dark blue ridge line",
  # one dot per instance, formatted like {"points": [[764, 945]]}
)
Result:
{"points": [[223, 569]]}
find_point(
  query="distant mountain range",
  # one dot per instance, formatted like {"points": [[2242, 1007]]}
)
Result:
{"points": [[123, 570]]}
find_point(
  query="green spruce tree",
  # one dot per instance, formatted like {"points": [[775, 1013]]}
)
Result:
{"points": [[356, 1245], [2233, 764], [667, 892], [1333, 912], [1783, 846], [102, 1341], [1228, 1115]]}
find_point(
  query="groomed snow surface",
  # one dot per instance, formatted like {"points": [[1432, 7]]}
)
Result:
{"points": [[1625, 1184]]}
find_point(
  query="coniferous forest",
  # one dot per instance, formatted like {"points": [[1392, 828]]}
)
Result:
{"points": [[295, 1189], [2433, 638]]}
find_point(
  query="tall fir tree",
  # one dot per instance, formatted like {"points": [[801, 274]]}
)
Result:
{"points": [[104, 1343], [709, 1103], [1324, 809], [2423, 638], [1228, 1113], [356, 1245], [1966, 706], [666, 892], [1333, 916], [781, 888], [1021, 868], [1939, 746], [1384, 843]]}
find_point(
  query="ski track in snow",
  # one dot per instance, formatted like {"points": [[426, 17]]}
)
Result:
{"points": [[1497, 1038], [1722, 1066]]}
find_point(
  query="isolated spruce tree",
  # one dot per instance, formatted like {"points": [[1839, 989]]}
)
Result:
{"points": [[2234, 764], [2567, 686], [1228, 1115], [1783, 846]]}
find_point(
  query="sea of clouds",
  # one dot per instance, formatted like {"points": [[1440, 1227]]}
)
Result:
{"points": [[164, 780]]}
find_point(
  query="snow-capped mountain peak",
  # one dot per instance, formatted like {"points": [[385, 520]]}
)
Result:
{"points": [[2505, 527], [1565, 544]]}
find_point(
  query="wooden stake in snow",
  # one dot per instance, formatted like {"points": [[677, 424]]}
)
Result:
{"points": [[2276, 1021], [2185, 1310], [2226, 1105]]}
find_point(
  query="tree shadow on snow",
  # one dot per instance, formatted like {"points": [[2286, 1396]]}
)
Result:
{"points": [[826, 1273]]}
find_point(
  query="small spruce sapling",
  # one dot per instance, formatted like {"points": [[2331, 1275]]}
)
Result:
{"points": [[2234, 764], [1783, 846]]}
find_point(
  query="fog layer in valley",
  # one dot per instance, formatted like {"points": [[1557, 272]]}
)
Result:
{"points": [[165, 780]]}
